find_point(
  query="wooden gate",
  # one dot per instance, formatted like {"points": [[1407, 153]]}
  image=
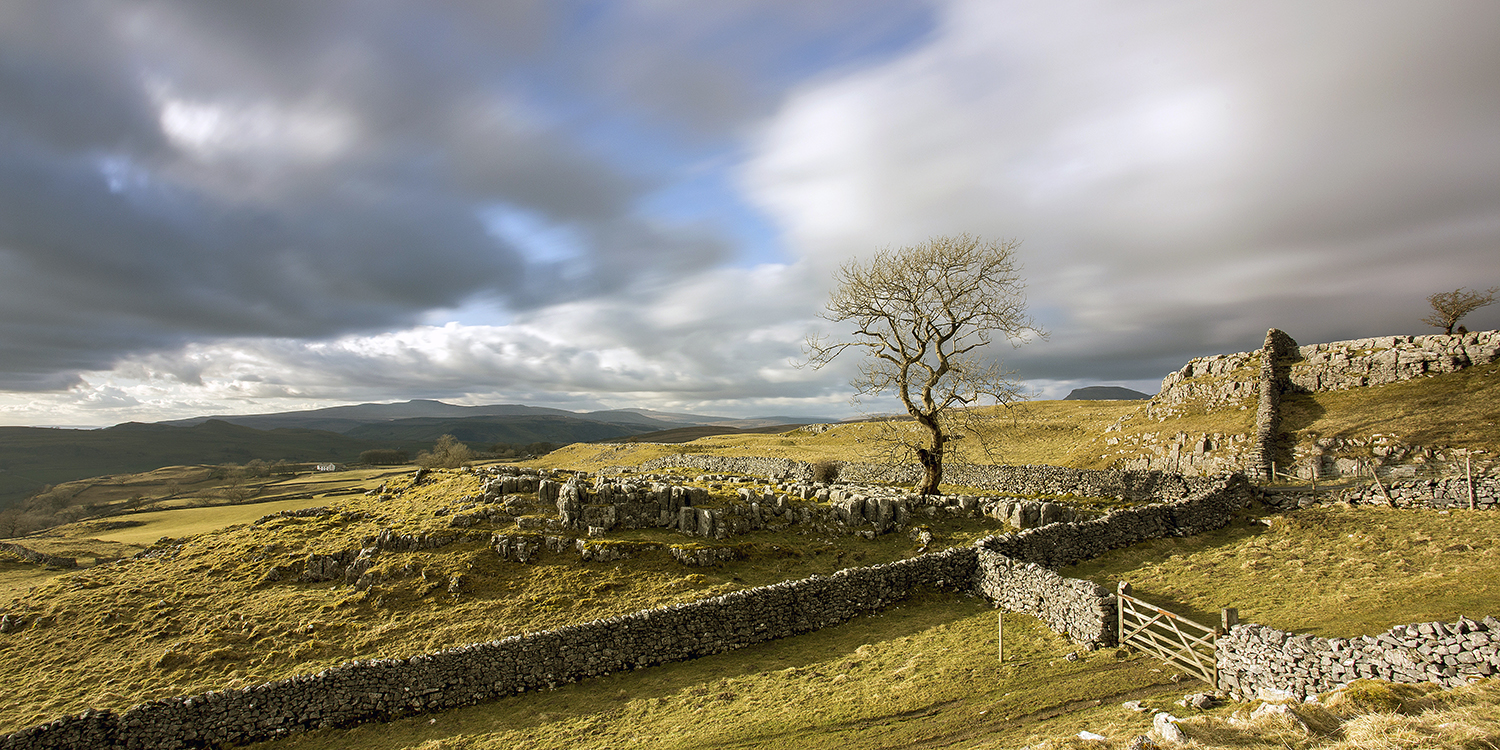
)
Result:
{"points": [[1171, 637]]}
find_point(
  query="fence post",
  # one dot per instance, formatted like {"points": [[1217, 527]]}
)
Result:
{"points": [[1469, 477], [1375, 474], [1000, 634], [1228, 618], [1122, 591]]}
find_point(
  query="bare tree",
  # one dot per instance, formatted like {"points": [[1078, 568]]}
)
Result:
{"points": [[448, 454], [12, 523], [1450, 307], [921, 315]]}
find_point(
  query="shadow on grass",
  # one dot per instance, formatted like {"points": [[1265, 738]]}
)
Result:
{"points": [[1112, 567], [704, 677]]}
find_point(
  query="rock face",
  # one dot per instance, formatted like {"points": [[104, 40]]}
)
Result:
{"points": [[1260, 378]]}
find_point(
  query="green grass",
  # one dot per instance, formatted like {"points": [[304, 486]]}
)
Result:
{"points": [[1329, 570], [1059, 433], [922, 673], [146, 528], [1459, 410], [114, 635]]}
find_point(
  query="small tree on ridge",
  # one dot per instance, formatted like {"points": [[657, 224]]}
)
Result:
{"points": [[447, 454], [1450, 307], [921, 315]]}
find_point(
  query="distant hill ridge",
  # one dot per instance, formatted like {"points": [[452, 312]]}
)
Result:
{"points": [[1105, 393], [31, 458], [344, 419]]}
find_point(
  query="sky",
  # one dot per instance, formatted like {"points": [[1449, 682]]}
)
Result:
{"points": [[221, 208]]}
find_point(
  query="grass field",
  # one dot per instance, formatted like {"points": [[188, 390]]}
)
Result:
{"points": [[919, 674], [1058, 433], [925, 674], [1459, 410], [144, 529]]}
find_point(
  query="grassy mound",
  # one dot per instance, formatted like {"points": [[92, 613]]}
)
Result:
{"points": [[1059, 433], [1457, 410], [224, 609], [924, 673]]}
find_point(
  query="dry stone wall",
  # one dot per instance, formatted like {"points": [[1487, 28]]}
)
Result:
{"points": [[1260, 378], [1260, 662], [1064, 544], [1082, 610], [40, 558], [1016, 480], [1450, 493], [772, 468], [1276, 356], [378, 689], [1016, 570]]}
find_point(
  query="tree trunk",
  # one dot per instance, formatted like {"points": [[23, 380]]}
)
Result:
{"points": [[932, 464]]}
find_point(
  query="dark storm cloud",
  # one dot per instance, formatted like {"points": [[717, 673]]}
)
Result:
{"points": [[176, 171], [171, 171], [1183, 176]]}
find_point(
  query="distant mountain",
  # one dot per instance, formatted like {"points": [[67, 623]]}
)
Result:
{"points": [[1105, 393], [693, 432], [33, 457], [482, 432], [345, 418], [677, 418]]}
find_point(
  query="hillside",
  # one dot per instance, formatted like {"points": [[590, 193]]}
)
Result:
{"points": [[226, 608], [32, 457], [1203, 422], [921, 672], [485, 431]]}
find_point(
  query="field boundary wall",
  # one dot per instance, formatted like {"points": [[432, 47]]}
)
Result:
{"points": [[1029, 480], [40, 558], [1256, 661], [1015, 571]]}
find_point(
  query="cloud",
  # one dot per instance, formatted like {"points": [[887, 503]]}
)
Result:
{"points": [[724, 341], [289, 171], [208, 208], [1182, 176]]}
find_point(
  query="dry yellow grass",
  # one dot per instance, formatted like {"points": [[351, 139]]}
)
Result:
{"points": [[1057, 433], [1460, 410], [203, 617], [1329, 570], [1426, 717]]}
